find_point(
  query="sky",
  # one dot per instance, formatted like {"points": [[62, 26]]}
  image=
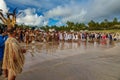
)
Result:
{"points": [[58, 12]]}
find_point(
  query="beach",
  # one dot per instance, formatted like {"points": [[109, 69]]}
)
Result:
{"points": [[91, 63], [85, 61]]}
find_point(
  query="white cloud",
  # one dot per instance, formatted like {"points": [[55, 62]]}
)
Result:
{"points": [[90, 10], [76, 17], [45, 22], [60, 23], [103, 8], [69, 12], [3, 6], [30, 18], [59, 11]]}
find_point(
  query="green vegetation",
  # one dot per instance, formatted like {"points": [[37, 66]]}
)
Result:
{"points": [[105, 25]]}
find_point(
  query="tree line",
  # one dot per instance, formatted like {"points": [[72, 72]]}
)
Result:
{"points": [[92, 25]]}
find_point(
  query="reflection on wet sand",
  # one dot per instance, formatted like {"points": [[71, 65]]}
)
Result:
{"points": [[40, 52], [53, 47]]}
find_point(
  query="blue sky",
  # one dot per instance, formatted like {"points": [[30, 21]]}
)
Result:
{"points": [[58, 12]]}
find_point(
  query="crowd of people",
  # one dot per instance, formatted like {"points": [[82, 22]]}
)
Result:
{"points": [[30, 36]]}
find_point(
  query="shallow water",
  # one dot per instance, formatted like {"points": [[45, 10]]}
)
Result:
{"points": [[53, 47], [72, 61], [41, 52]]}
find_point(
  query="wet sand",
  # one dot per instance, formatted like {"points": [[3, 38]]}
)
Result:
{"points": [[72, 61]]}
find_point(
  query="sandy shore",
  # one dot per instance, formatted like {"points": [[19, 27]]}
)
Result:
{"points": [[77, 63]]}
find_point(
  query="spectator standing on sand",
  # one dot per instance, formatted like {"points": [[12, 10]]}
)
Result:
{"points": [[2, 44]]}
